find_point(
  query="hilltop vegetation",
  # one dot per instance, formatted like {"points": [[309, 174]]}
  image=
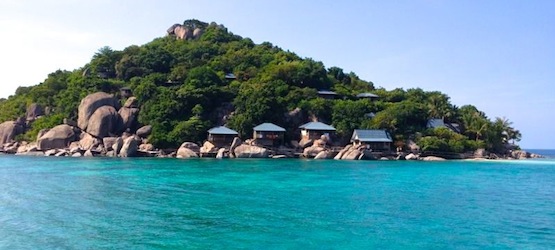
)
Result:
{"points": [[183, 90]]}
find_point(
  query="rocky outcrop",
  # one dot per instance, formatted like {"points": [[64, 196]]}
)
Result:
{"points": [[221, 153], [144, 131], [352, 152], [236, 142], [129, 147], [249, 151], [188, 150], [186, 153], [323, 155], [312, 151], [197, 33], [104, 121], [131, 102], [57, 137], [183, 32], [33, 112], [128, 119], [207, 147], [90, 104], [411, 157], [146, 147], [88, 142], [192, 146], [9, 130]]}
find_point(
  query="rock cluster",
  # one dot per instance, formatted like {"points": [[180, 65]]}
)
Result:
{"points": [[184, 33], [103, 128]]}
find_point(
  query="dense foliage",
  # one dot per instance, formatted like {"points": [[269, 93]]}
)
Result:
{"points": [[183, 91]]}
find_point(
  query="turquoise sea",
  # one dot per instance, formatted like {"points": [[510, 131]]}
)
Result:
{"points": [[102, 203]]}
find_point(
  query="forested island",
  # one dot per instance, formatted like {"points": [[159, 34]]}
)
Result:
{"points": [[200, 76]]}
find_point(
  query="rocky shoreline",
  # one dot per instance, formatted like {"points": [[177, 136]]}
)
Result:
{"points": [[129, 145], [105, 128]]}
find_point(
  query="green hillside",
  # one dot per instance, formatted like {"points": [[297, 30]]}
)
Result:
{"points": [[183, 91]]}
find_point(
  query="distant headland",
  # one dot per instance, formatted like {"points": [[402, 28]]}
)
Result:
{"points": [[202, 91]]}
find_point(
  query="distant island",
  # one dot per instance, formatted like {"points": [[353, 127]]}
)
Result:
{"points": [[199, 89]]}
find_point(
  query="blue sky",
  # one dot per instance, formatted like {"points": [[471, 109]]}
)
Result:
{"points": [[496, 55]]}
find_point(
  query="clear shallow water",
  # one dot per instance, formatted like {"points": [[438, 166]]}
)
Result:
{"points": [[169, 203]]}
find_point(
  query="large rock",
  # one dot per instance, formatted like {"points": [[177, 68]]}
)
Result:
{"points": [[221, 153], [129, 148], [33, 111], [411, 157], [197, 33], [207, 147], [312, 151], [192, 146], [57, 137], [236, 142], [146, 147], [108, 142], [9, 130], [42, 132], [91, 103], [88, 142], [131, 102], [353, 154], [249, 151], [322, 155], [183, 32], [128, 118], [342, 152], [144, 131], [103, 122], [184, 152], [31, 147], [519, 154], [117, 145], [432, 158]]}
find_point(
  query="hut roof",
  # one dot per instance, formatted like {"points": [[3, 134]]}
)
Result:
{"points": [[269, 127], [367, 95], [326, 92], [435, 123], [317, 126], [371, 135], [221, 130]]}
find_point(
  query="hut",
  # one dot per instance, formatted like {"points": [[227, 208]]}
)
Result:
{"points": [[314, 130], [377, 140], [221, 136], [370, 96], [439, 123], [268, 134], [326, 94]]}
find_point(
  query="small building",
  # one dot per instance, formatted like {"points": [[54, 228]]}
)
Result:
{"points": [[221, 136], [376, 139], [230, 76], [326, 94], [439, 123], [315, 130], [269, 134], [370, 96]]}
